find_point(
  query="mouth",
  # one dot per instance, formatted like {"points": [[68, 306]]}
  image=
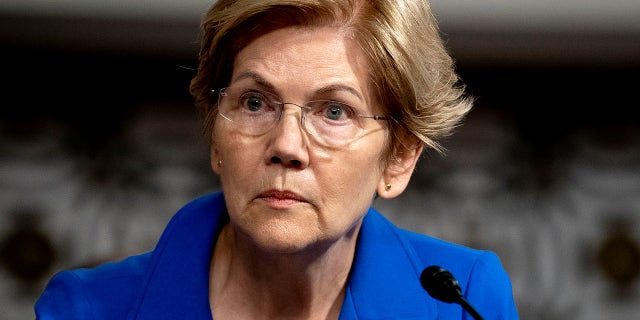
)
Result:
{"points": [[281, 198]]}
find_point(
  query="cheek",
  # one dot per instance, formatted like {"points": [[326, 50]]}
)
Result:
{"points": [[354, 180], [349, 195], [240, 159], [231, 147]]}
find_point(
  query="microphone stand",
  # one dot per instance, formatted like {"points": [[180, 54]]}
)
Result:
{"points": [[467, 306]]}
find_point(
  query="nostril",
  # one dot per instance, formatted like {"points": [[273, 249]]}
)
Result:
{"points": [[289, 163]]}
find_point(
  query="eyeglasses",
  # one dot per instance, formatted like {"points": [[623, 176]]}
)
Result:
{"points": [[331, 123]]}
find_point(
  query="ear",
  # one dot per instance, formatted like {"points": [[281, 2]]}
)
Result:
{"points": [[214, 158], [398, 171]]}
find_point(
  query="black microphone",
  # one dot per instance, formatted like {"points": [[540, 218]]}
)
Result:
{"points": [[441, 285]]}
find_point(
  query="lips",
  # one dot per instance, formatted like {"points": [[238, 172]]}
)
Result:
{"points": [[282, 195], [281, 198]]}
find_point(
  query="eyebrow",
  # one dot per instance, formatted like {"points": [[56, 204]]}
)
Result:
{"points": [[256, 78], [341, 87], [268, 86]]}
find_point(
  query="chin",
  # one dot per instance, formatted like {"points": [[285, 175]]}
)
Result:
{"points": [[282, 239]]}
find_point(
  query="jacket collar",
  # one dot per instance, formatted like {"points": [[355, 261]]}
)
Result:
{"points": [[385, 278], [384, 281]]}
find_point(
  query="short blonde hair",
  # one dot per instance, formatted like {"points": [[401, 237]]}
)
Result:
{"points": [[411, 73]]}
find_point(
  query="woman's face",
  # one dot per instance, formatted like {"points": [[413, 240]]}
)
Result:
{"points": [[286, 192]]}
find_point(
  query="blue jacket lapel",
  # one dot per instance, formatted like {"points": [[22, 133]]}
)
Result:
{"points": [[384, 282]]}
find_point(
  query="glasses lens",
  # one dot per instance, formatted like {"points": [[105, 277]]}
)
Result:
{"points": [[331, 122], [253, 111]]}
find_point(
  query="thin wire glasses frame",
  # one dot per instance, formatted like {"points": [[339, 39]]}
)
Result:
{"points": [[332, 123]]}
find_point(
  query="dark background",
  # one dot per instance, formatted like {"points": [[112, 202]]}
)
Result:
{"points": [[100, 144]]}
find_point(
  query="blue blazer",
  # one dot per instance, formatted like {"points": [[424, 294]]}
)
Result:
{"points": [[172, 281]]}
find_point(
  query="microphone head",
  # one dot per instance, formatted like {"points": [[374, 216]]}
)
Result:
{"points": [[440, 284]]}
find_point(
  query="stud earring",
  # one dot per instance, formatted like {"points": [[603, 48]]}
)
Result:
{"points": [[219, 163], [387, 187]]}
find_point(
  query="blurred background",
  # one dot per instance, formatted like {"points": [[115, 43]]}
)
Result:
{"points": [[100, 144]]}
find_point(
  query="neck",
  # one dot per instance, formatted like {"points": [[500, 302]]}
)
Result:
{"points": [[249, 283]]}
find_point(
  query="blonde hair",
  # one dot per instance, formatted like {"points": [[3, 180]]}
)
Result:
{"points": [[412, 74]]}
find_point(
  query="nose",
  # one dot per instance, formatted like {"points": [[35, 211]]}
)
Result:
{"points": [[288, 144]]}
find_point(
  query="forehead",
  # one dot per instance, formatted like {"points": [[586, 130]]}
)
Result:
{"points": [[303, 58]]}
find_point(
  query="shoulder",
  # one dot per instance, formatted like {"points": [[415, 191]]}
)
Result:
{"points": [[111, 290], [425, 248], [471, 267], [90, 293], [435, 250], [482, 278]]}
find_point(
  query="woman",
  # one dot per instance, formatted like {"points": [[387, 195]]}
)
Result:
{"points": [[313, 109]]}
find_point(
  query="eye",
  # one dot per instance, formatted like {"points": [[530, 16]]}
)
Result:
{"points": [[336, 111], [252, 101]]}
